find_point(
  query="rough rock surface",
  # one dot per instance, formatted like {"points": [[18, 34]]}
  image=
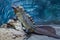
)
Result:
{"points": [[11, 34]]}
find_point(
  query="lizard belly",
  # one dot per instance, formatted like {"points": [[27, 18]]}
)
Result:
{"points": [[23, 21]]}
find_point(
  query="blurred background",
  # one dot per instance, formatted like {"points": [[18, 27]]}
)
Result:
{"points": [[42, 11]]}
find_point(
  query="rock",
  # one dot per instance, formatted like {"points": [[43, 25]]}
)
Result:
{"points": [[11, 34]]}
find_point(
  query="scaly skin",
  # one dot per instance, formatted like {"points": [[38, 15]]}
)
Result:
{"points": [[22, 16], [28, 24]]}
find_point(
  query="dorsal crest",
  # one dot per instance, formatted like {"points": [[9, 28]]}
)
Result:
{"points": [[30, 18]]}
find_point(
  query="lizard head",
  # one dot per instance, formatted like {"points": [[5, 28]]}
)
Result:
{"points": [[18, 9]]}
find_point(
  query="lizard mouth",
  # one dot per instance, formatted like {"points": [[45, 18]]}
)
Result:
{"points": [[13, 7]]}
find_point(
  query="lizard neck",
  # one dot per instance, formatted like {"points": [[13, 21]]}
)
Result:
{"points": [[22, 20]]}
